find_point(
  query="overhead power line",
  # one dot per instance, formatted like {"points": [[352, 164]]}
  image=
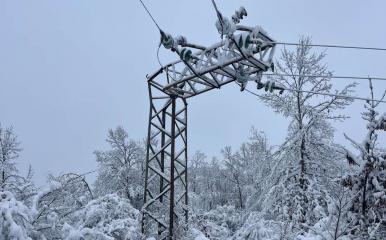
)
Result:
{"points": [[280, 43], [331, 46], [325, 76], [151, 16], [319, 93], [336, 95]]}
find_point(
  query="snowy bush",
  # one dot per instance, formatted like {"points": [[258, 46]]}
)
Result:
{"points": [[108, 217], [52, 206], [219, 223], [256, 228], [14, 218], [194, 234]]}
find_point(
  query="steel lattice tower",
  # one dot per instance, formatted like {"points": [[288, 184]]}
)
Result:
{"points": [[244, 54]]}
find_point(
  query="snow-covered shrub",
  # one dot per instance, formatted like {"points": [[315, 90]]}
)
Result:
{"points": [[108, 217], [194, 234], [219, 223], [208, 188], [14, 218], [52, 206], [256, 228]]}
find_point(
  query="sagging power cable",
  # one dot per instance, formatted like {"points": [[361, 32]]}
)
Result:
{"points": [[325, 76], [330, 46], [319, 93]]}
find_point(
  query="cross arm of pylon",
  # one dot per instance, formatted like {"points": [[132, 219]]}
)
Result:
{"points": [[215, 66]]}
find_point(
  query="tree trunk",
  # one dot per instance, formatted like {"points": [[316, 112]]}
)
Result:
{"points": [[302, 164], [2, 179], [240, 195]]}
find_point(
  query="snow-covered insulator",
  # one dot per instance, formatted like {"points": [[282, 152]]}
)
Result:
{"points": [[259, 76], [260, 85], [186, 54], [225, 27], [235, 19], [270, 86], [258, 47], [180, 40], [259, 43], [239, 14], [242, 77], [243, 40], [167, 40]]}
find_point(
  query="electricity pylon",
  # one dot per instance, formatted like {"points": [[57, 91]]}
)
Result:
{"points": [[242, 55]]}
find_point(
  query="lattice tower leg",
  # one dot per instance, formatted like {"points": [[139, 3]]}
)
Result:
{"points": [[165, 208]]}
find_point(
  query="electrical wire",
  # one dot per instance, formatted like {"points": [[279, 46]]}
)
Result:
{"points": [[155, 22], [294, 75], [148, 12], [325, 76], [311, 45], [219, 16], [335, 95], [331, 46], [216, 9], [289, 43], [319, 93], [159, 61], [279, 43]]}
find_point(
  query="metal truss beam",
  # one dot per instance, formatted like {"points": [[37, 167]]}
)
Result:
{"points": [[216, 66]]}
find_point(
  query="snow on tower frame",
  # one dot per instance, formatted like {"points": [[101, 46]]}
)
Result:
{"points": [[243, 55]]}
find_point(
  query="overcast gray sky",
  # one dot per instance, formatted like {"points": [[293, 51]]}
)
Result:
{"points": [[70, 70]]}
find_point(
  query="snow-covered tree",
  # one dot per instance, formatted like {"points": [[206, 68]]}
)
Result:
{"points": [[248, 170], [307, 157], [9, 152], [208, 189], [238, 179], [52, 206], [120, 168], [368, 181], [336, 224], [235, 167], [197, 161], [21, 187]]}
